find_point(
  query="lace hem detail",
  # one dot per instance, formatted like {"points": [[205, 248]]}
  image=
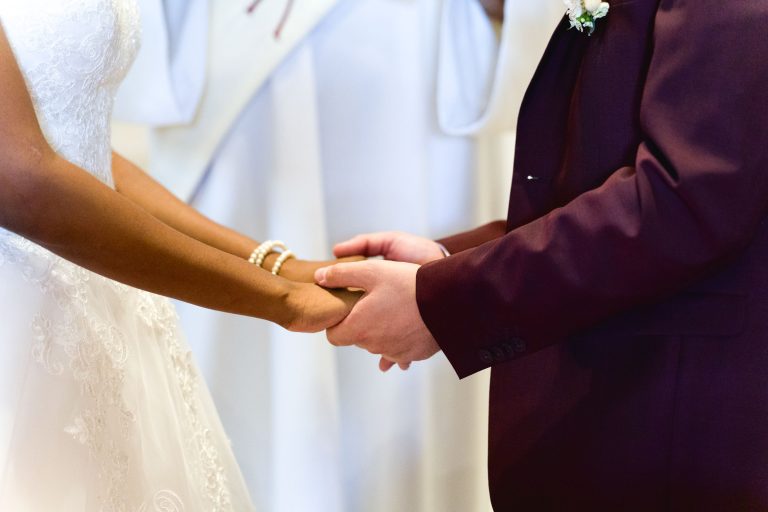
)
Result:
{"points": [[73, 55], [164, 501], [94, 353]]}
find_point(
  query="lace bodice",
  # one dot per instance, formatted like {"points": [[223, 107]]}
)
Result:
{"points": [[74, 54], [98, 348]]}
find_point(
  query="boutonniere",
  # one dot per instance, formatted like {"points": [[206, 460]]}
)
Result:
{"points": [[283, 19], [583, 14]]}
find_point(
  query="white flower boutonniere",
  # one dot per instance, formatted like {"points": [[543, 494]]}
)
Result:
{"points": [[583, 14]]}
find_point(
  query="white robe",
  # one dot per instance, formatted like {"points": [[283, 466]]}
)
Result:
{"points": [[348, 135]]}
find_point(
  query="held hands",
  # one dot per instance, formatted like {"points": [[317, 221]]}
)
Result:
{"points": [[302, 306], [392, 245], [303, 271], [386, 320], [311, 308]]}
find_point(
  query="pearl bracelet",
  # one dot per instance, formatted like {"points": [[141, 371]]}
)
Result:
{"points": [[284, 256], [262, 251]]}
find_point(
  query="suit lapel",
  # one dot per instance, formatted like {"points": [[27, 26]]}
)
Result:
{"points": [[588, 89], [540, 146]]}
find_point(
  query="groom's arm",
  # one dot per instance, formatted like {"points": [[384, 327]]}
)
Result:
{"points": [[478, 236], [695, 197]]}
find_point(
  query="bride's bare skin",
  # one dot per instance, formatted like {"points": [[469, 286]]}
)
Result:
{"points": [[142, 189], [140, 234]]}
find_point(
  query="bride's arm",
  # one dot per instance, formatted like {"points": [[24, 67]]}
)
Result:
{"points": [[61, 207], [139, 187], [134, 184]]}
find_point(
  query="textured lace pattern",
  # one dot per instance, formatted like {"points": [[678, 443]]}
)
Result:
{"points": [[74, 54], [95, 354]]}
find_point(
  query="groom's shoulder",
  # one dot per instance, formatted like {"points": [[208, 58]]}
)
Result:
{"points": [[695, 28], [714, 15], [707, 57]]}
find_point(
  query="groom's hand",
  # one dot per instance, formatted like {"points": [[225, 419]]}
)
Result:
{"points": [[303, 271], [392, 245], [386, 320]]}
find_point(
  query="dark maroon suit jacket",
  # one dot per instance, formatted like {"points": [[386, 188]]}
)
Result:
{"points": [[623, 305]]}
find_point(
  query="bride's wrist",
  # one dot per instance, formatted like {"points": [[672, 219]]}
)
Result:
{"points": [[285, 311], [286, 268], [270, 260], [271, 255]]}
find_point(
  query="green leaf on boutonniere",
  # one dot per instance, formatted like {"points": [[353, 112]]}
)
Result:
{"points": [[583, 14]]}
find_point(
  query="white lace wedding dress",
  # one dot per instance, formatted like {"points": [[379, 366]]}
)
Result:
{"points": [[101, 406]]}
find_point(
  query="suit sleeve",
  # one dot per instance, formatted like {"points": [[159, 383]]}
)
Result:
{"points": [[694, 198], [475, 237]]}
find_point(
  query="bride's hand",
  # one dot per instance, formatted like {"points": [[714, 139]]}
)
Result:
{"points": [[313, 308], [303, 271]]}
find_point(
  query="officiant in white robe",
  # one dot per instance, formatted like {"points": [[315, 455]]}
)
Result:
{"points": [[362, 115]]}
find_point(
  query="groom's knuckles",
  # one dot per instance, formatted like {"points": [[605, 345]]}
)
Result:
{"points": [[347, 248], [379, 244], [366, 344], [372, 244], [359, 245]]}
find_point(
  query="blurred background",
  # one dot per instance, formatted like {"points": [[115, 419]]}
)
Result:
{"points": [[311, 121]]}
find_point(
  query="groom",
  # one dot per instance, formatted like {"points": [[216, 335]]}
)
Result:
{"points": [[623, 305]]}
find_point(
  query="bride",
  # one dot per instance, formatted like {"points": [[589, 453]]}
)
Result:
{"points": [[101, 407]]}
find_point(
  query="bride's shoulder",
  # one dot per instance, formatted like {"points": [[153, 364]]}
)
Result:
{"points": [[70, 25]]}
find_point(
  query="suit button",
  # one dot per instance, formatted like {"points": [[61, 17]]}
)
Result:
{"points": [[499, 354], [485, 356], [519, 345]]}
